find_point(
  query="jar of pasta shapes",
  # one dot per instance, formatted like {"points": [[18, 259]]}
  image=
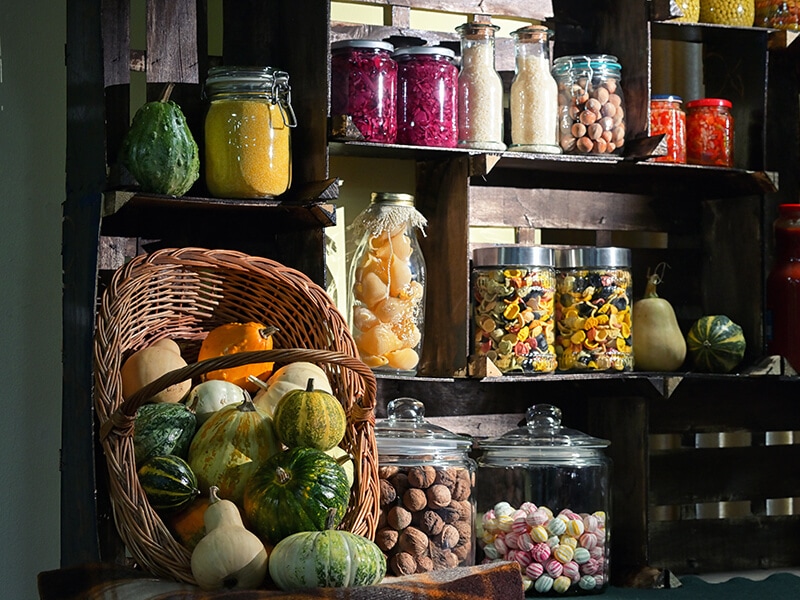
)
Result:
{"points": [[709, 132], [427, 96], [667, 117], [736, 13], [364, 87], [513, 307], [480, 90], [533, 98], [247, 132], [543, 496], [593, 309], [591, 107], [426, 479], [387, 275], [778, 14]]}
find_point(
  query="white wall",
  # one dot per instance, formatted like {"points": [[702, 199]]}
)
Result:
{"points": [[32, 151]]}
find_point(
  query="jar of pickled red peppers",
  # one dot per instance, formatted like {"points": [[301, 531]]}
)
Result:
{"points": [[736, 13], [387, 275], [480, 90], [513, 291], [247, 126], [709, 132], [426, 480], [593, 309], [427, 96], [543, 496], [778, 14], [667, 117], [364, 87]]}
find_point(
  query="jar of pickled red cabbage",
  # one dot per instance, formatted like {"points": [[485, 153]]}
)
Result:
{"points": [[427, 96], [247, 126], [387, 275], [364, 87]]}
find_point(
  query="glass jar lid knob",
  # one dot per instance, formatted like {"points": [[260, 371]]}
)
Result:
{"points": [[407, 409]]}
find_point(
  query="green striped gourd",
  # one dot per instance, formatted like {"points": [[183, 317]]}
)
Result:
{"points": [[168, 482], [311, 418], [162, 428], [715, 344]]}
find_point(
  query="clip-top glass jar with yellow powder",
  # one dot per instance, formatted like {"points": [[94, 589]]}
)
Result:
{"points": [[248, 150]]}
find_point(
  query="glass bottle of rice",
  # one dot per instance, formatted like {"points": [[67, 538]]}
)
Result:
{"points": [[480, 90], [534, 94]]}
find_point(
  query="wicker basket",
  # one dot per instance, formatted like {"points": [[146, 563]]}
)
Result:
{"points": [[183, 294]]}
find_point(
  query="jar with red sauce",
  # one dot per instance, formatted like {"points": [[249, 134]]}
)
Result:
{"points": [[709, 132], [427, 96], [783, 287], [667, 117], [364, 87]]}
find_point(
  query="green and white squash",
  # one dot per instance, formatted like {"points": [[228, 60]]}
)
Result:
{"points": [[168, 482], [329, 558], [294, 491], [291, 376], [210, 396], [162, 428], [230, 446], [311, 418], [715, 344]]}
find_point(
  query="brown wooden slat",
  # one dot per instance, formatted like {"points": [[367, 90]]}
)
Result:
{"points": [[697, 475], [531, 9], [713, 545], [172, 51], [115, 16]]}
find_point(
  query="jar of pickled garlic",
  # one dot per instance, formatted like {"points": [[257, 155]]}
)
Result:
{"points": [[513, 306], [737, 13], [667, 117], [427, 96], [593, 309], [247, 126], [387, 275], [533, 98], [480, 90], [709, 132], [690, 10], [543, 498], [778, 14], [591, 107], [426, 480], [364, 87]]}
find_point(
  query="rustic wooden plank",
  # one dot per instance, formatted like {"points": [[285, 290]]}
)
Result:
{"points": [[696, 475], [172, 51], [532, 9], [714, 545], [116, 41], [397, 16]]}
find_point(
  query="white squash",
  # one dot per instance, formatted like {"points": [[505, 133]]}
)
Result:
{"points": [[208, 397], [293, 376]]}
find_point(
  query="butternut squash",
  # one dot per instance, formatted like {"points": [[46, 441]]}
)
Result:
{"points": [[658, 344]]}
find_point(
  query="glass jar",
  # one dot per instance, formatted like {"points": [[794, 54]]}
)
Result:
{"points": [[709, 132], [513, 308], [480, 90], [427, 96], [248, 150], [533, 98], [364, 87], [593, 309], [690, 10], [778, 14], [387, 275], [667, 117], [543, 499], [737, 13], [427, 518], [591, 106], [783, 287]]}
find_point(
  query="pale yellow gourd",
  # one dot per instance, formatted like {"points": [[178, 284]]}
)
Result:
{"points": [[228, 556], [148, 364], [658, 344]]}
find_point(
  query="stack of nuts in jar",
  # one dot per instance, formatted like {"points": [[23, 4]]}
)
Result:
{"points": [[426, 518]]}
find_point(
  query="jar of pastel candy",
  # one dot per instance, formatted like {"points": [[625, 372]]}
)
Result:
{"points": [[543, 495]]}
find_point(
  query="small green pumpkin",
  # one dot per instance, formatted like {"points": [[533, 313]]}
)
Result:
{"points": [[159, 149], [329, 558], [715, 344], [168, 482], [310, 417], [162, 428], [293, 491]]}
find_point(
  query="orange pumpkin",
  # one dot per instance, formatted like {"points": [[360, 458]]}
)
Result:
{"points": [[238, 337], [188, 525]]}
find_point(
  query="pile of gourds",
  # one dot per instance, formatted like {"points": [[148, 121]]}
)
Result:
{"points": [[211, 457]]}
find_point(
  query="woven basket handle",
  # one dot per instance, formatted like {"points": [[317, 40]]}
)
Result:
{"points": [[122, 419]]}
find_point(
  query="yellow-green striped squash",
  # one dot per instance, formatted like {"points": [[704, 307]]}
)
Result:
{"points": [[715, 344]]}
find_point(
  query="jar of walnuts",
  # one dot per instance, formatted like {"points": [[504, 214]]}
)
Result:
{"points": [[426, 481]]}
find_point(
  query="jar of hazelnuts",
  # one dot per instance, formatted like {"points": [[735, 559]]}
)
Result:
{"points": [[427, 517], [591, 107]]}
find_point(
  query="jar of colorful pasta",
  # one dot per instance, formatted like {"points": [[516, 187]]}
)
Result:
{"points": [[593, 309], [513, 290]]}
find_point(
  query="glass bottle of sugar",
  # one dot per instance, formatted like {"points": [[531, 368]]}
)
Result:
{"points": [[480, 90], [533, 98]]}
